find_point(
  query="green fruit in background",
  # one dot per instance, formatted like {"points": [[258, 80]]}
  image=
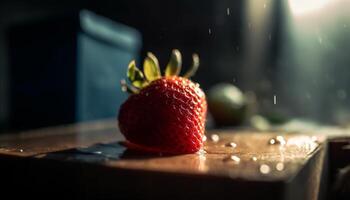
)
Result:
{"points": [[227, 104]]}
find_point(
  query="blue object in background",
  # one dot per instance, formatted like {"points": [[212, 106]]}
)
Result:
{"points": [[105, 49], [66, 69]]}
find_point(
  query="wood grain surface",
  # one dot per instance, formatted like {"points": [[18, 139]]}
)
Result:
{"points": [[274, 165]]}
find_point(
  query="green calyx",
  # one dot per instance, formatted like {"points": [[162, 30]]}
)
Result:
{"points": [[151, 71]]}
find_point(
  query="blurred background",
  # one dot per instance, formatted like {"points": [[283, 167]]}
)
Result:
{"points": [[264, 62]]}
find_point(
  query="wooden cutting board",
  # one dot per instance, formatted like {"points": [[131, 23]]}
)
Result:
{"points": [[86, 161]]}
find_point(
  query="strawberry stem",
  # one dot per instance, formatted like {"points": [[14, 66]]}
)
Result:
{"points": [[174, 66], [151, 71], [151, 67], [136, 76], [194, 67]]}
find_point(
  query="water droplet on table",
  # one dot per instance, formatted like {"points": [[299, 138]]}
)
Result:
{"points": [[277, 140], [280, 139], [264, 169], [254, 158], [215, 137], [231, 144], [233, 158], [280, 166]]}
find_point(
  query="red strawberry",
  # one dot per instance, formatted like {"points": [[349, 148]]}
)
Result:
{"points": [[166, 114]]}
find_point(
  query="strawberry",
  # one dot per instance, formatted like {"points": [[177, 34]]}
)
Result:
{"points": [[163, 114]]}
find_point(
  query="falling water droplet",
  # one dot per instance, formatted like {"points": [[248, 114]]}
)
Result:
{"points": [[209, 31], [320, 40], [231, 144], [270, 37], [228, 11], [265, 169], [280, 166], [21, 150], [264, 5], [215, 137]]}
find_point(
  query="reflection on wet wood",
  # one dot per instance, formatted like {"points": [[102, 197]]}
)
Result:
{"points": [[253, 158], [47, 140], [232, 164]]}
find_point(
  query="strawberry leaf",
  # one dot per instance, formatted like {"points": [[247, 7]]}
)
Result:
{"points": [[135, 75], [194, 67], [126, 88], [174, 66], [151, 67]]}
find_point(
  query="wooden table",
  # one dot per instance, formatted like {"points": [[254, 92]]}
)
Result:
{"points": [[86, 161]]}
